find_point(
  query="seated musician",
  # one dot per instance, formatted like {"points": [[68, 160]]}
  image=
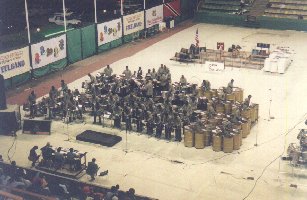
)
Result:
{"points": [[246, 102], [108, 71], [211, 110], [76, 92], [183, 81], [230, 87], [206, 86], [117, 111], [32, 103], [64, 87], [73, 160], [59, 159], [134, 75], [47, 153], [139, 73], [97, 112], [127, 73], [202, 104], [92, 169]]}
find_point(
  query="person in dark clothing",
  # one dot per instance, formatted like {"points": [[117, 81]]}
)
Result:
{"points": [[47, 153], [33, 157], [92, 169]]}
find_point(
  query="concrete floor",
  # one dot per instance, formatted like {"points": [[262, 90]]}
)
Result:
{"points": [[150, 165]]}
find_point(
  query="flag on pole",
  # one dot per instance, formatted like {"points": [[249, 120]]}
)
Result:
{"points": [[196, 38]]}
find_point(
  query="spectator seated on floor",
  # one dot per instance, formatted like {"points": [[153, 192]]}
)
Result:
{"points": [[92, 169], [112, 193], [58, 159], [15, 183], [130, 194], [57, 189]]}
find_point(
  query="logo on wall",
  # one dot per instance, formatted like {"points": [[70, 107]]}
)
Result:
{"points": [[56, 52], [61, 45], [154, 13], [37, 58], [49, 52], [42, 50], [101, 37]]}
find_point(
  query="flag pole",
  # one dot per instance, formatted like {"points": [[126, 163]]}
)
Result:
{"points": [[64, 15], [27, 20], [121, 8], [95, 6]]}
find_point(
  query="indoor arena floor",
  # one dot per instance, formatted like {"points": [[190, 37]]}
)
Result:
{"points": [[170, 171]]}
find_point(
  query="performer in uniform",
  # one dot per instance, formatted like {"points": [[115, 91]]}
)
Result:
{"points": [[127, 73], [178, 126], [246, 102], [183, 81], [64, 87], [139, 73], [32, 103], [230, 87], [108, 71]]}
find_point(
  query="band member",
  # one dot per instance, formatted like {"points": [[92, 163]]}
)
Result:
{"points": [[97, 112], [206, 86], [148, 75], [178, 125], [149, 89], [32, 103], [183, 81], [117, 115], [127, 73], [211, 110], [159, 126], [153, 73], [93, 79], [246, 102], [168, 130], [64, 87], [108, 71], [139, 73], [161, 70], [53, 93], [139, 118], [230, 87], [150, 123]]}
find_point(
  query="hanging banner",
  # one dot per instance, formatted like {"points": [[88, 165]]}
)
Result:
{"points": [[109, 31], [15, 62], [133, 23], [48, 51], [154, 16]]}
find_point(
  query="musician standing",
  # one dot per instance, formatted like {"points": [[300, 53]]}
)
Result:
{"points": [[53, 93], [139, 73], [93, 79], [64, 87], [32, 102], [97, 112], [153, 73], [149, 89], [108, 71], [246, 102], [230, 87], [178, 125], [127, 73]]}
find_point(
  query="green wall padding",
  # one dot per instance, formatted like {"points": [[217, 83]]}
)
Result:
{"points": [[22, 78], [128, 38], [58, 65], [74, 53], [104, 47], [8, 83], [88, 41], [116, 43], [41, 71], [55, 66]]}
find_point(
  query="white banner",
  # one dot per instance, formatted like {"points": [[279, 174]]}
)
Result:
{"points": [[15, 62], [133, 23], [48, 51], [214, 66], [154, 16], [109, 31]]}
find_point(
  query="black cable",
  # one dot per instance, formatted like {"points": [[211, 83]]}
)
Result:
{"points": [[8, 152]]}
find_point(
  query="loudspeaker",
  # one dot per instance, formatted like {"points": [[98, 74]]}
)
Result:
{"points": [[38, 127], [10, 120], [2, 94]]}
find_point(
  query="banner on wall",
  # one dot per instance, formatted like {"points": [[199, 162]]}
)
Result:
{"points": [[109, 31], [48, 51], [15, 62], [154, 16], [133, 23]]}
